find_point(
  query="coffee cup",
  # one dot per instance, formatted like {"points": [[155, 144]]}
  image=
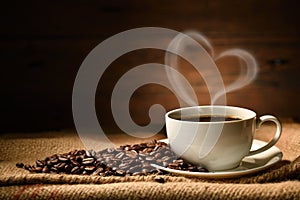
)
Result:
{"points": [[216, 137]]}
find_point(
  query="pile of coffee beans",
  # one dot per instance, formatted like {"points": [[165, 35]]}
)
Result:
{"points": [[127, 159]]}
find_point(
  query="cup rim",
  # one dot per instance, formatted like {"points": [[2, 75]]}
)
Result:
{"points": [[251, 115]]}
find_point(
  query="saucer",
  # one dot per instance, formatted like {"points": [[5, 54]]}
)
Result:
{"points": [[248, 165]]}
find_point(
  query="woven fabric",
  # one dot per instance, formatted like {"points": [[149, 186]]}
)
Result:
{"points": [[281, 181]]}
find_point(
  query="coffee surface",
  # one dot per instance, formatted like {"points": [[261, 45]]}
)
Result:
{"points": [[208, 118]]}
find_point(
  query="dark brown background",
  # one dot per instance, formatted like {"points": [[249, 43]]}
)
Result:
{"points": [[42, 44]]}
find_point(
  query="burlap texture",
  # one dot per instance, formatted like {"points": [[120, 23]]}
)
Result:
{"points": [[281, 181]]}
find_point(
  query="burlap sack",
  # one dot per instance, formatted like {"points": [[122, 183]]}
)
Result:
{"points": [[281, 181]]}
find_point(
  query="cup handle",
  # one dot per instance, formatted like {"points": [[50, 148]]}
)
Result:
{"points": [[276, 137]]}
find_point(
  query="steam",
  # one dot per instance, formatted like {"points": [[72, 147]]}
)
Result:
{"points": [[206, 67], [247, 73]]}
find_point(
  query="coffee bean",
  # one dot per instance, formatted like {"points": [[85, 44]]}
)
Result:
{"points": [[54, 161], [120, 173], [127, 159], [79, 158], [88, 153], [63, 158], [61, 166], [75, 170], [136, 168], [90, 168], [165, 158], [145, 171], [85, 172], [98, 171], [120, 155], [39, 163], [142, 154], [37, 169], [124, 166], [159, 179], [149, 158], [146, 165], [75, 163], [151, 145], [27, 167], [137, 173], [157, 155], [20, 165], [68, 168], [110, 150], [174, 165], [87, 161], [165, 164], [53, 169], [81, 152], [45, 169]]}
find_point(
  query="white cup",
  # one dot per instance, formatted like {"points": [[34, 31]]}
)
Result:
{"points": [[216, 145]]}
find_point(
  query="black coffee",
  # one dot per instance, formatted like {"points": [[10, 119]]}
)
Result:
{"points": [[209, 118]]}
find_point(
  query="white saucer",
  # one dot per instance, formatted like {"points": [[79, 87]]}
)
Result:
{"points": [[249, 164]]}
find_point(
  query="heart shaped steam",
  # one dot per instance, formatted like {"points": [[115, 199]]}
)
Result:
{"points": [[207, 66]]}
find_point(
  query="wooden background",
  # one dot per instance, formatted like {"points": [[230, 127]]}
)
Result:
{"points": [[42, 45]]}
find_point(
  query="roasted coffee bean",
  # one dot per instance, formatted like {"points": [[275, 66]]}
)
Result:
{"points": [[110, 150], [45, 169], [48, 163], [165, 164], [98, 171], [53, 169], [75, 170], [37, 169], [75, 163], [165, 158], [88, 154], [145, 171], [149, 158], [85, 172], [39, 163], [20, 165], [174, 165], [124, 166], [27, 167], [146, 165], [87, 161], [134, 152], [151, 145], [61, 166], [54, 161], [120, 155], [79, 158], [63, 158], [90, 168], [159, 179], [142, 155], [137, 173], [133, 159], [120, 173], [81, 152], [68, 168]]}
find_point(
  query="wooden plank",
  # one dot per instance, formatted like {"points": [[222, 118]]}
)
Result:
{"points": [[85, 19], [42, 45]]}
